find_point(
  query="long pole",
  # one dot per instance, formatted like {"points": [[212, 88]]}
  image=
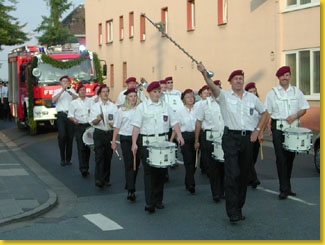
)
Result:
{"points": [[160, 27]]}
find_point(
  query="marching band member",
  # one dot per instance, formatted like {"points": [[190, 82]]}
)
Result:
{"points": [[78, 113], [240, 132], [63, 97], [95, 98], [172, 96], [152, 121], [209, 126], [186, 117], [252, 176], [131, 82], [286, 104], [123, 127], [101, 117], [203, 92]]}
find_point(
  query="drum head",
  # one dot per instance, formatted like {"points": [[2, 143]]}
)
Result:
{"points": [[163, 144], [297, 130], [87, 136]]}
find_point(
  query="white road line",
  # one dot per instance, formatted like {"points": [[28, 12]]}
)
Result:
{"points": [[13, 172], [289, 197], [103, 222]]}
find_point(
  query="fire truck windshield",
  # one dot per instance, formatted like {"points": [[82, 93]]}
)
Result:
{"points": [[51, 75]]}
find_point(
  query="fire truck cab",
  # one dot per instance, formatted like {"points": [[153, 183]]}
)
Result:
{"points": [[33, 75]]}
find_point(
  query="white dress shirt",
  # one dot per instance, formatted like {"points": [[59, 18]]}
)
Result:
{"points": [[80, 109], [123, 121], [62, 104], [108, 110]]}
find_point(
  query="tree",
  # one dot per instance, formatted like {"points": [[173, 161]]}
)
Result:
{"points": [[54, 31], [10, 29]]}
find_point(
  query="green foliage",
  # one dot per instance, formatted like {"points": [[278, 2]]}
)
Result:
{"points": [[64, 64], [54, 33], [98, 68], [10, 28]]}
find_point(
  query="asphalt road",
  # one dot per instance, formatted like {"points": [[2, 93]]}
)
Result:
{"points": [[82, 206]]}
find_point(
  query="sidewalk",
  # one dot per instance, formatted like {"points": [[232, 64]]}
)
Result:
{"points": [[23, 194]]}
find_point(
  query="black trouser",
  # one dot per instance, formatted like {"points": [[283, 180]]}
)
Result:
{"points": [[83, 149], [6, 109], [154, 178], [214, 168], [252, 176], [189, 157], [203, 152], [238, 155], [284, 159], [65, 136], [130, 172], [103, 155]]}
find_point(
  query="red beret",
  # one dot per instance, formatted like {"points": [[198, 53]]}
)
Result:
{"points": [[96, 85], [168, 78], [130, 90], [65, 76], [163, 82], [186, 91], [79, 87], [205, 87], [249, 86], [235, 73], [282, 70], [152, 86], [131, 79], [101, 87], [217, 82]]}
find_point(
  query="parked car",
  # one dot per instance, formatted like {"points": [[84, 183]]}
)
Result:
{"points": [[317, 153]]}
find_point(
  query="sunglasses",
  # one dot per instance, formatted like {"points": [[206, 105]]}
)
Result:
{"points": [[169, 82]]}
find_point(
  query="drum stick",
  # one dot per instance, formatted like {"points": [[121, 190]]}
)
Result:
{"points": [[196, 157], [118, 155], [134, 162], [261, 149]]}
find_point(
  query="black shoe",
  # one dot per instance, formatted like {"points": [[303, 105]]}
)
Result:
{"points": [[62, 163], [255, 183], [107, 183], [283, 195], [160, 206], [149, 209], [191, 189], [99, 184], [235, 218], [84, 173], [131, 196], [216, 199], [291, 193], [68, 163]]}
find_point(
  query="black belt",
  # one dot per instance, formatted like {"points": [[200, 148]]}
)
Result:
{"points": [[153, 135], [237, 132], [83, 124], [65, 112], [104, 131]]}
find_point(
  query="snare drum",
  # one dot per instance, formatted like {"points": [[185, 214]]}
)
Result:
{"points": [[217, 153], [87, 137], [162, 154], [297, 139]]}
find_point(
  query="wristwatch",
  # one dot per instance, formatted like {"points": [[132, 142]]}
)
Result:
{"points": [[257, 129]]}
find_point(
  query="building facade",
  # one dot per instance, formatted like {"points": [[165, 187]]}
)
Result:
{"points": [[257, 36]]}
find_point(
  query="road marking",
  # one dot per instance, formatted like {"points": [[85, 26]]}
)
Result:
{"points": [[13, 172], [103, 222], [289, 197]]}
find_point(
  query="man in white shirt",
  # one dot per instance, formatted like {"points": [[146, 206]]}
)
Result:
{"points": [[62, 97], [78, 113], [131, 82], [286, 104]]}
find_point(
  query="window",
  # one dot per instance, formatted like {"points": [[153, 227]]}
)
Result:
{"points": [[305, 71], [299, 4], [111, 75], [109, 31], [121, 28], [190, 15], [124, 73], [100, 34], [142, 28], [164, 18], [222, 12], [131, 25]]}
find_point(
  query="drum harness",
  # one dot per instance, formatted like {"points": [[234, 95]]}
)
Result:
{"points": [[217, 110], [286, 99], [155, 117]]}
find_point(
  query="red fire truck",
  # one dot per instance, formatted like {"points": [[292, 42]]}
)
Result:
{"points": [[34, 73]]}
